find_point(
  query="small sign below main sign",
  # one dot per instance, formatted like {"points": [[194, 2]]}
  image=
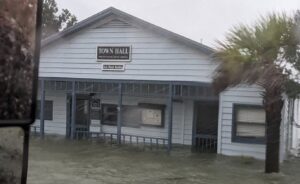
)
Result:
{"points": [[113, 67], [113, 53]]}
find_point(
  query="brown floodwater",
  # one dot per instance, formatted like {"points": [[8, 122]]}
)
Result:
{"points": [[11, 151], [59, 161]]}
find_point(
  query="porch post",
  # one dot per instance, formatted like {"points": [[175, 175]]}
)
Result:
{"points": [[42, 109], [119, 123], [73, 111], [170, 116]]}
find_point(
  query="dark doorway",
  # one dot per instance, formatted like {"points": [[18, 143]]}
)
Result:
{"points": [[82, 123], [205, 130]]}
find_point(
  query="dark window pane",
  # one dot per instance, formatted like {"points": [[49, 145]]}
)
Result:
{"points": [[95, 114], [131, 116], [95, 109], [48, 110], [109, 114]]}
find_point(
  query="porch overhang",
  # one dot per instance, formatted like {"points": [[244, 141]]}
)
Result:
{"points": [[181, 89], [170, 90]]}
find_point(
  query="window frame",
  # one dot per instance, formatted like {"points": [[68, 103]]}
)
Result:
{"points": [[161, 107], [38, 110], [245, 139]]}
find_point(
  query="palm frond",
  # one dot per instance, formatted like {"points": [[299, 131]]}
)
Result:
{"points": [[254, 54]]}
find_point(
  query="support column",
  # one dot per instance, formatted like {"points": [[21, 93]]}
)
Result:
{"points": [[170, 116], [119, 123], [73, 111], [26, 130], [42, 109]]}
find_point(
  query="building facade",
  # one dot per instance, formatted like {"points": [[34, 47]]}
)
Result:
{"points": [[116, 76]]}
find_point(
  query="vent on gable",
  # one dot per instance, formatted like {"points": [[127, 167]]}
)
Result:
{"points": [[117, 24]]}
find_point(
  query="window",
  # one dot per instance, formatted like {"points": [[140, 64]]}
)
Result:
{"points": [[248, 124], [134, 116], [152, 114], [48, 110], [109, 114], [131, 116]]}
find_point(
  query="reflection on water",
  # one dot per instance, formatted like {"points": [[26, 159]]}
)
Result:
{"points": [[11, 148], [62, 162]]}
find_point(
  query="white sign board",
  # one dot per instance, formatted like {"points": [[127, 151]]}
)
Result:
{"points": [[151, 117], [113, 67]]}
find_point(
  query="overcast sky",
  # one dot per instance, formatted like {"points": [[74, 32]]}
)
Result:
{"points": [[201, 20]]}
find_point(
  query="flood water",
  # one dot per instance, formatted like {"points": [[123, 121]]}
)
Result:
{"points": [[11, 151], [59, 161]]}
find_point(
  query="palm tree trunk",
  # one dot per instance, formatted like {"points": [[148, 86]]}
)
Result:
{"points": [[273, 104]]}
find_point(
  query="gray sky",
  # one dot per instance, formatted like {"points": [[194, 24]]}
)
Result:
{"points": [[201, 20]]}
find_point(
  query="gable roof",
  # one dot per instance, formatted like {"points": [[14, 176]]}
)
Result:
{"points": [[128, 18]]}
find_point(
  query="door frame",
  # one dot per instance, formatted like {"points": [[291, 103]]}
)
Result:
{"points": [[195, 109], [69, 112]]}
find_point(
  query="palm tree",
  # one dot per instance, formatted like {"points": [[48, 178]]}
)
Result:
{"points": [[266, 54]]}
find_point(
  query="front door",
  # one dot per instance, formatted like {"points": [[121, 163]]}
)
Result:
{"points": [[82, 115], [205, 126]]}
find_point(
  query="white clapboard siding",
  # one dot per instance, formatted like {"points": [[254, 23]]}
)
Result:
{"points": [[154, 57], [152, 66], [58, 124], [238, 95], [250, 95]]}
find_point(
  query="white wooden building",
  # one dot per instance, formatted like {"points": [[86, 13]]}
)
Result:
{"points": [[115, 75]]}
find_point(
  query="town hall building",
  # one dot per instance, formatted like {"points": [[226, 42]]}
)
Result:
{"points": [[115, 76]]}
